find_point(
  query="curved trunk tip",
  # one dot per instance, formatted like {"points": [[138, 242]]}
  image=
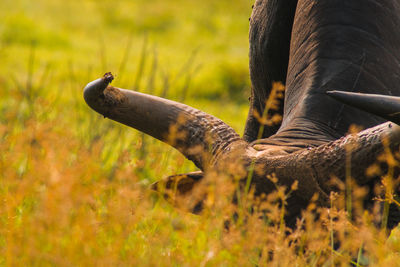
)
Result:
{"points": [[108, 77]]}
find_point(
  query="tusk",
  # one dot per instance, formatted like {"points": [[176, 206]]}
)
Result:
{"points": [[197, 135], [387, 107], [183, 183]]}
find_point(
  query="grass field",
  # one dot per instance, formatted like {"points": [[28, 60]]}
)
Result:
{"points": [[74, 187]]}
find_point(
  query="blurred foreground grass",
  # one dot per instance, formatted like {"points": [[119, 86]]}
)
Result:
{"points": [[74, 186]]}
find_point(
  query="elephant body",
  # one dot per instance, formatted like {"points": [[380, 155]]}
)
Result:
{"points": [[335, 45], [312, 47]]}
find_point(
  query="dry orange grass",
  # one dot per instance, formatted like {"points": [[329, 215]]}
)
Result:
{"points": [[60, 207], [72, 194]]}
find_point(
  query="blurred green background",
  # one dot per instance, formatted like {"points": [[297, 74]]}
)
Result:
{"points": [[73, 186], [190, 51]]}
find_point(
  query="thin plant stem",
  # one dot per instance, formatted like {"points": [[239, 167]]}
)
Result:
{"points": [[388, 197], [268, 105], [153, 72], [359, 255], [142, 63], [331, 230], [125, 56], [348, 182], [103, 53], [31, 63]]}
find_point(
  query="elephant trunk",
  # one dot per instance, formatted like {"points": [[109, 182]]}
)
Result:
{"points": [[361, 149], [314, 168], [197, 135]]}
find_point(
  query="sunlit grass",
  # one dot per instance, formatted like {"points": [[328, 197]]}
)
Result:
{"points": [[74, 187]]}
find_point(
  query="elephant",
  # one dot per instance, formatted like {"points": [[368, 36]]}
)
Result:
{"points": [[339, 62]]}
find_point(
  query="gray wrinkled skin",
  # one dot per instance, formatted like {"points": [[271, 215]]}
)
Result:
{"points": [[312, 47]]}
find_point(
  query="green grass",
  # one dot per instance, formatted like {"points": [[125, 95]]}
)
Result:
{"points": [[74, 187], [77, 41]]}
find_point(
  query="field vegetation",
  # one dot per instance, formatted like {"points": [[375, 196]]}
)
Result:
{"points": [[74, 187]]}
